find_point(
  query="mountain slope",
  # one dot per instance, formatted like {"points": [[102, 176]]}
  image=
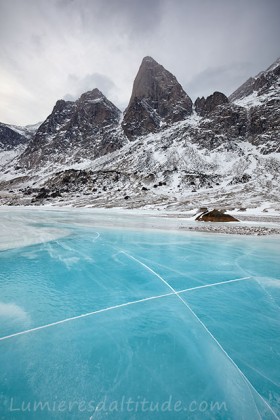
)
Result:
{"points": [[265, 83], [11, 137], [13, 141], [260, 96], [178, 174], [222, 151]]}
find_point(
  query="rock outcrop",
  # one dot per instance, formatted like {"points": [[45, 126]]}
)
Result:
{"points": [[205, 106], [157, 100], [223, 127], [215, 216]]}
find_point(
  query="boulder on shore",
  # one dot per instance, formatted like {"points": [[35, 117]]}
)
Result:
{"points": [[215, 216]]}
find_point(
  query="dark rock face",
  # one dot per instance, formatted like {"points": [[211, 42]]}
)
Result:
{"points": [[157, 99], [241, 179], [254, 117], [260, 97], [215, 216], [87, 115], [264, 126], [85, 128], [9, 139], [140, 118], [61, 112], [224, 126], [205, 106], [261, 84]]}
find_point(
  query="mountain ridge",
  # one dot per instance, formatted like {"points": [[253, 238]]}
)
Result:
{"points": [[219, 149]]}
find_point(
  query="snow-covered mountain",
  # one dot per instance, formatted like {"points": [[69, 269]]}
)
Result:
{"points": [[13, 141], [88, 127], [164, 150], [12, 136]]}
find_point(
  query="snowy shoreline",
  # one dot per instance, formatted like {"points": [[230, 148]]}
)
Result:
{"points": [[23, 226], [235, 230]]}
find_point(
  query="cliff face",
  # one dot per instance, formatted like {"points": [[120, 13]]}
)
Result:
{"points": [[157, 100]]}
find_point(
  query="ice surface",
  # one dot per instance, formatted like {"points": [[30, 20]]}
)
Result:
{"points": [[18, 229], [143, 338]]}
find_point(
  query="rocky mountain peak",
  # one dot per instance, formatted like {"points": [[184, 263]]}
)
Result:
{"points": [[92, 95], [89, 124], [151, 75], [94, 107], [205, 106], [149, 59], [157, 99]]}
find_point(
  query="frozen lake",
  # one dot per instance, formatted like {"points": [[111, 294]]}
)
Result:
{"points": [[103, 317]]}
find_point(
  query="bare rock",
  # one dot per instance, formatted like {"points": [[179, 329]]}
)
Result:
{"points": [[89, 125], [205, 106], [215, 216], [157, 99]]}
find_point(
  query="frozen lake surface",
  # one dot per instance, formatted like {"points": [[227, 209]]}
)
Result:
{"points": [[101, 318]]}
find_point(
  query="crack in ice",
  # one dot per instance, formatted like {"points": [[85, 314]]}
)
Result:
{"points": [[173, 292], [98, 311], [109, 308], [215, 284], [207, 330]]}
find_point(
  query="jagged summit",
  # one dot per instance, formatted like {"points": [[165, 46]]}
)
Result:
{"points": [[263, 83], [260, 97], [93, 94], [76, 128], [150, 74], [97, 109], [148, 58], [157, 99], [204, 106]]}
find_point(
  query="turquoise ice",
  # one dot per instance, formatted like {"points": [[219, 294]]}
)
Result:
{"points": [[131, 324]]}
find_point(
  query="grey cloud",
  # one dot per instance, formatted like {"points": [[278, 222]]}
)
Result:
{"points": [[207, 44], [223, 79], [141, 17], [89, 82], [131, 17], [38, 42]]}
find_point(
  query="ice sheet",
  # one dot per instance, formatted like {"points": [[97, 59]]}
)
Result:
{"points": [[20, 228], [125, 313]]}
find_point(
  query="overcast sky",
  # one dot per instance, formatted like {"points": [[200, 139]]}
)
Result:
{"points": [[53, 49]]}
